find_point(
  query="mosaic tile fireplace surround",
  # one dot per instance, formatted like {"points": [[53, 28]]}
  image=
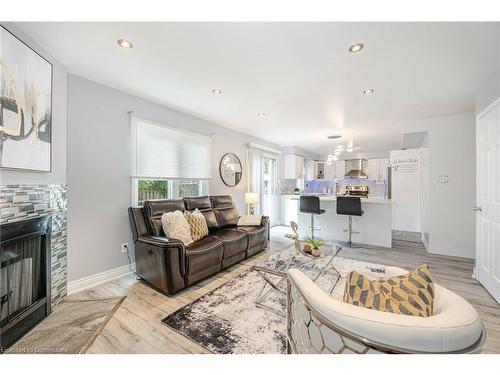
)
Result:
{"points": [[22, 202]]}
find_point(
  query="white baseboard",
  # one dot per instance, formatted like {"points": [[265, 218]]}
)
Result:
{"points": [[97, 279], [451, 251]]}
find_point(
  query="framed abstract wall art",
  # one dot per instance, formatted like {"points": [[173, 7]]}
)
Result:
{"points": [[25, 106]]}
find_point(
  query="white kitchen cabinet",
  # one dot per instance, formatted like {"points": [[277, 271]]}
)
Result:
{"points": [[294, 167], [310, 169], [289, 209], [330, 171], [340, 169], [373, 169], [377, 168]]}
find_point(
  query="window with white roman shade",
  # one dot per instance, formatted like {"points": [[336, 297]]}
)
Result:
{"points": [[161, 151], [168, 162]]}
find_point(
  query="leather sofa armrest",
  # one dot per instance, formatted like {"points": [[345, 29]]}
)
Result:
{"points": [[169, 244], [161, 262], [161, 242], [265, 222]]}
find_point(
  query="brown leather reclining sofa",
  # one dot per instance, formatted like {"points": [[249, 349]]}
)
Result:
{"points": [[170, 266]]}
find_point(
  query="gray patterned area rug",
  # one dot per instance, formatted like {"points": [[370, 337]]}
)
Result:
{"points": [[227, 321]]}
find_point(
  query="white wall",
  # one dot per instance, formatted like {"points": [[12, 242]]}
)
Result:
{"points": [[99, 169], [424, 196], [405, 190], [452, 153], [59, 119]]}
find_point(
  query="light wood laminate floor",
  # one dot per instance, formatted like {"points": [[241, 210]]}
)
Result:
{"points": [[136, 326]]}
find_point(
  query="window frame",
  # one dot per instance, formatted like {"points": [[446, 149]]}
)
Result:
{"points": [[203, 188]]}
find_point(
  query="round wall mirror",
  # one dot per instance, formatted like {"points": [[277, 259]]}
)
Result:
{"points": [[230, 169]]}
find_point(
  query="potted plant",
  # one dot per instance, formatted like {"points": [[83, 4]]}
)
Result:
{"points": [[312, 246]]}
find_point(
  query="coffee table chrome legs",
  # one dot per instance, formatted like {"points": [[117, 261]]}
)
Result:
{"points": [[274, 280], [267, 288]]}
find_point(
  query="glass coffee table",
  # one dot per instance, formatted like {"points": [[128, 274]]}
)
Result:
{"points": [[273, 271]]}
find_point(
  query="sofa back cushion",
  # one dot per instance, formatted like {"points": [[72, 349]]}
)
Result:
{"points": [[153, 210], [193, 203], [224, 210], [203, 204]]}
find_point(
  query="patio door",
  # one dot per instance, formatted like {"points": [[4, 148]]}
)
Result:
{"points": [[270, 188], [488, 199]]}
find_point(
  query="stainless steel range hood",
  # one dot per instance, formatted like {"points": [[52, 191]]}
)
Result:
{"points": [[355, 168]]}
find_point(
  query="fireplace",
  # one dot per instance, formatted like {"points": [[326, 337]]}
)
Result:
{"points": [[25, 259]]}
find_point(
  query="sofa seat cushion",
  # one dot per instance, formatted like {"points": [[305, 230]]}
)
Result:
{"points": [[234, 240], [203, 258], [256, 235]]}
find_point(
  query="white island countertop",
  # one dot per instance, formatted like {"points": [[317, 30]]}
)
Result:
{"points": [[332, 198], [374, 227]]}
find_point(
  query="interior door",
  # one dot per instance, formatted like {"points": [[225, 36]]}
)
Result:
{"points": [[488, 200], [270, 189]]}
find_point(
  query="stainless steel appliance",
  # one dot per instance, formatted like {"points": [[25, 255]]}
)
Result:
{"points": [[357, 191], [356, 168]]}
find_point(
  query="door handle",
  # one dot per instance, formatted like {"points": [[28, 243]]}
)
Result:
{"points": [[477, 208]]}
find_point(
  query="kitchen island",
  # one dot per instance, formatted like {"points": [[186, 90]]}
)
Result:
{"points": [[375, 226]]}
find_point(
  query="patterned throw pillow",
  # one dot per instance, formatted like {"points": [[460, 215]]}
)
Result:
{"points": [[197, 224], [408, 294], [176, 226]]}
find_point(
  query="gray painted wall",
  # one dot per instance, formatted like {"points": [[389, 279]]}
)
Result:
{"points": [[488, 92], [452, 152], [99, 169], [59, 120]]}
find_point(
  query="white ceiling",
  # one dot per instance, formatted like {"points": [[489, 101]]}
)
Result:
{"points": [[300, 74]]}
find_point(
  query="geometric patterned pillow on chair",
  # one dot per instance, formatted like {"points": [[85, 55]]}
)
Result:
{"points": [[408, 294]]}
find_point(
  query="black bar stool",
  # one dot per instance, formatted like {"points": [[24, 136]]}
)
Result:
{"points": [[309, 204], [349, 206]]}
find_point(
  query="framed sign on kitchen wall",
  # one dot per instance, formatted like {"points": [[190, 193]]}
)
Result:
{"points": [[25, 106]]}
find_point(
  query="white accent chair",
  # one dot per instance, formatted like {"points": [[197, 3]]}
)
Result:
{"points": [[319, 323]]}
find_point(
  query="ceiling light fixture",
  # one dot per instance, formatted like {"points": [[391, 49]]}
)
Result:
{"points": [[337, 152], [349, 149], [335, 158], [262, 114], [124, 43], [216, 91], [368, 91], [358, 47]]}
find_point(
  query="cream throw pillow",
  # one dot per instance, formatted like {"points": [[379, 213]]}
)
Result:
{"points": [[197, 224], [176, 226], [250, 220]]}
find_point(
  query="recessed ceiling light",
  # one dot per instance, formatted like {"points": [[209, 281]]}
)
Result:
{"points": [[335, 158], [262, 114], [337, 152], [368, 91], [349, 149], [356, 48], [125, 43], [340, 147], [334, 136], [216, 91]]}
